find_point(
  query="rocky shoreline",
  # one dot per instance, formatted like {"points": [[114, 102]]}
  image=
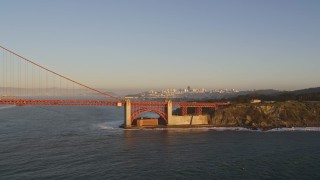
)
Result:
{"points": [[267, 116]]}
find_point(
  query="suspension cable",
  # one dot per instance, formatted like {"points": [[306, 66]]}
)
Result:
{"points": [[87, 87]]}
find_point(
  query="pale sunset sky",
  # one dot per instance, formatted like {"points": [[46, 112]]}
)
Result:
{"points": [[149, 44]]}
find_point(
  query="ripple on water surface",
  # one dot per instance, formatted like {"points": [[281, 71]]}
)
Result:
{"points": [[79, 142]]}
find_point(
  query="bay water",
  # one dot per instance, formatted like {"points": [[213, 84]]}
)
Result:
{"points": [[87, 143]]}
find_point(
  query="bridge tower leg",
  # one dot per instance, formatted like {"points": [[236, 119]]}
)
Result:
{"points": [[169, 111], [127, 113]]}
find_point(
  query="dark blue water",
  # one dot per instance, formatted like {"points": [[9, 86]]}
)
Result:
{"points": [[84, 143]]}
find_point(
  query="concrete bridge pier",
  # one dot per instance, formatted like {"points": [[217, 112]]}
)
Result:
{"points": [[169, 111], [133, 109], [127, 113], [128, 109]]}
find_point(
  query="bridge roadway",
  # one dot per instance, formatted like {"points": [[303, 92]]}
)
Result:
{"points": [[133, 109], [79, 102], [65, 102]]}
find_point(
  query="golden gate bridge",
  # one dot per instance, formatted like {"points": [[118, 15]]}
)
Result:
{"points": [[25, 82]]}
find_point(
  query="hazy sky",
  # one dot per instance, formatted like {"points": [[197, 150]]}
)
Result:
{"points": [[244, 44]]}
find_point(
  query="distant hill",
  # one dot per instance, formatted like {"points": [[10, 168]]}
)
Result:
{"points": [[310, 94], [307, 91], [264, 92]]}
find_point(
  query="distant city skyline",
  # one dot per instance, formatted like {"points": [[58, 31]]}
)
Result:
{"points": [[143, 44], [189, 92]]}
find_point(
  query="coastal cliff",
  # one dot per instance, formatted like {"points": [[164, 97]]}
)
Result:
{"points": [[266, 116]]}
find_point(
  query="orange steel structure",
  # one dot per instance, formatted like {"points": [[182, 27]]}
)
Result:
{"points": [[61, 102], [160, 108], [25, 77], [137, 107]]}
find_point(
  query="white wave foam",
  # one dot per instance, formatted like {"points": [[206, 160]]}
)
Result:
{"points": [[103, 126], [109, 125], [7, 107], [184, 129], [295, 129], [230, 129]]}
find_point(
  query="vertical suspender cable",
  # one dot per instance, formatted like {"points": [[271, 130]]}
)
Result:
{"points": [[54, 86], [60, 87], [13, 80], [20, 77], [11, 75], [17, 77], [32, 81], [47, 91], [26, 79], [39, 82], [6, 74], [3, 74]]}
